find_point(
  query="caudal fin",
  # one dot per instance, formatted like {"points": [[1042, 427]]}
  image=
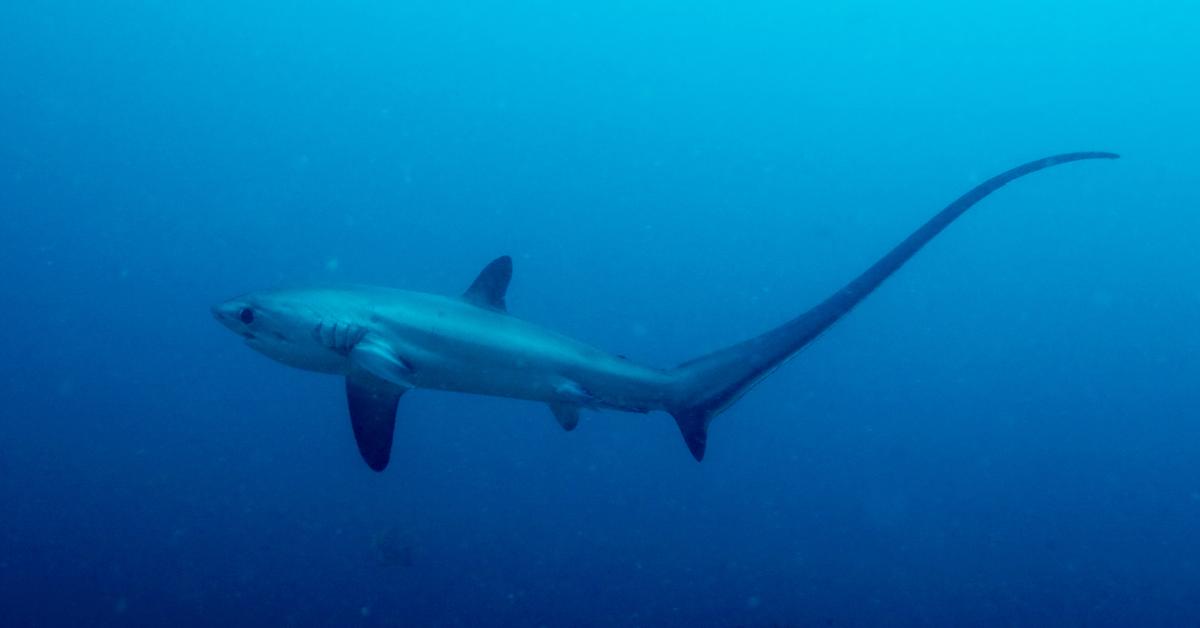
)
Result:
{"points": [[707, 385]]}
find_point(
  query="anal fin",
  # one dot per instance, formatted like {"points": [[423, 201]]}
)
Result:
{"points": [[373, 417], [566, 414]]}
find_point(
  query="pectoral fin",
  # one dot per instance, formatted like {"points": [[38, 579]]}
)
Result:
{"points": [[566, 414], [380, 360], [571, 390], [373, 417]]}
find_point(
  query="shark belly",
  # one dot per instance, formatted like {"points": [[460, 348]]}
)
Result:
{"points": [[558, 377], [465, 349]]}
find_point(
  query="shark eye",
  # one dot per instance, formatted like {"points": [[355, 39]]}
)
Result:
{"points": [[246, 315]]}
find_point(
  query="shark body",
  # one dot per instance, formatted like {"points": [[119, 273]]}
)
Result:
{"points": [[384, 342]]}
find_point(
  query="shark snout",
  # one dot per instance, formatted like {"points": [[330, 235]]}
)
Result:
{"points": [[230, 314], [223, 312]]}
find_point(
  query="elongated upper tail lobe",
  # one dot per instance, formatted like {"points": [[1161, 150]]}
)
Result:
{"points": [[707, 385]]}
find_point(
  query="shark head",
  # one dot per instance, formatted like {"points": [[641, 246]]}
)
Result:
{"points": [[295, 327]]}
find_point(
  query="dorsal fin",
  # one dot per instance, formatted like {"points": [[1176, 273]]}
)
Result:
{"points": [[489, 287]]}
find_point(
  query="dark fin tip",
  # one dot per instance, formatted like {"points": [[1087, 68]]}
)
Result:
{"points": [[693, 425], [373, 417], [567, 415]]}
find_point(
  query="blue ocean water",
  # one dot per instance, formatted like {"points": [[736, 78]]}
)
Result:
{"points": [[1004, 434]]}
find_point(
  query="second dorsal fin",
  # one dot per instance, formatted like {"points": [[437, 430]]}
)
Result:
{"points": [[489, 287]]}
